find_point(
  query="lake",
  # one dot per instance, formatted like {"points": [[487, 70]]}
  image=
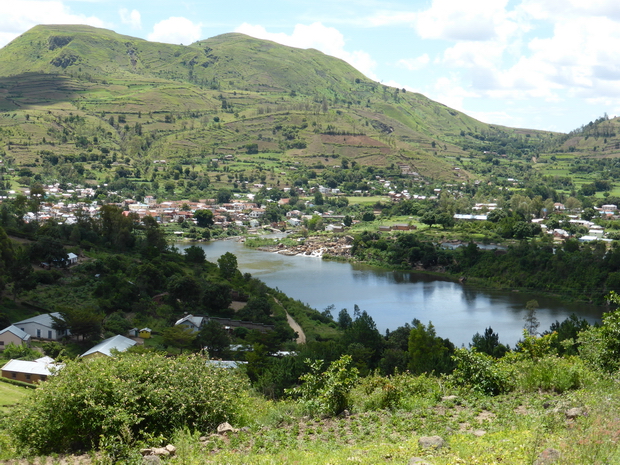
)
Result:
{"points": [[394, 298]]}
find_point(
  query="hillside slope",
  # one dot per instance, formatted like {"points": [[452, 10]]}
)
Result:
{"points": [[219, 96]]}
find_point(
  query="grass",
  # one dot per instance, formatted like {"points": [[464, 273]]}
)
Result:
{"points": [[10, 395]]}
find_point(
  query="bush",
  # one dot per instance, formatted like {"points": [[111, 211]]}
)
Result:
{"points": [[128, 398], [479, 371], [552, 373], [326, 393], [401, 390]]}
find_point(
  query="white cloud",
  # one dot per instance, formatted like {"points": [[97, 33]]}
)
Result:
{"points": [[17, 16], [459, 20], [131, 18], [414, 64], [449, 91], [176, 30], [326, 39]]}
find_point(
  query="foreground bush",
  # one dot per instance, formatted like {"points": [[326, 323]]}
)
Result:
{"points": [[128, 398]]}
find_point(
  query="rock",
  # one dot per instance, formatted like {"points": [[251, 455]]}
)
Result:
{"points": [[448, 398], [548, 456], [573, 413], [151, 460], [226, 428], [418, 461], [426, 442], [479, 433], [170, 448], [203, 439], [146, 451], [161, 451]]}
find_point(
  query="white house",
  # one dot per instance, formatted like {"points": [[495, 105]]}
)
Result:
{"points": [[41, 326], [118, 342], [192, 322]]}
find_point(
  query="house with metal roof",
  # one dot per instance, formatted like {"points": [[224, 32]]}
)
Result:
{"points": [[42, 326], [105, 348], [192, 322], [30, 371], [13, 334]]}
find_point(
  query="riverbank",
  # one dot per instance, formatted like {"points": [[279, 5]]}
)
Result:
{"points": [[314, 246]]}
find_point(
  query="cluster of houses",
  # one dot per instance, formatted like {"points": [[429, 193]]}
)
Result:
{"points": [[42, 327]]}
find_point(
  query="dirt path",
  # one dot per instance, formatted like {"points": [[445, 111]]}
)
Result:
{"points": [[301, 336]]}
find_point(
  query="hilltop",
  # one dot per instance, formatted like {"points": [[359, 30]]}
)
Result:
{"points": [[230, 94]]}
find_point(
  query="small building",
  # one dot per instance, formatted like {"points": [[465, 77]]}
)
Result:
{"points": [[402, 227], [30, 371], [105, 348], [12, 334], [42, 326], [72, 259], [145, 333], [192, 322]]}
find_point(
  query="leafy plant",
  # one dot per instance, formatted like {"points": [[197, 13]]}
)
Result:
{"points": [[326, 393], [129, 396]]}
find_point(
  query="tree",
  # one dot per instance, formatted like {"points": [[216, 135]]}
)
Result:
{"points": [[344, 319], [204, 218], [531, 320], [228, 265], [185, 288], [489, 343], [428, 352], [81, 322], [429, 218], [214, 338], [179, 337], [223, 196], [195, 254], [348, 221]]}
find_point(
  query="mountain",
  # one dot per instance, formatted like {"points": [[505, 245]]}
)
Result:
{"points": [[67, 90]]}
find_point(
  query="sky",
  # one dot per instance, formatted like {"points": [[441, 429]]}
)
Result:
{"points": [[539, 64]]}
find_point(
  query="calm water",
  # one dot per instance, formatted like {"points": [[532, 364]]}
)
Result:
{"points": [[395, 298]]}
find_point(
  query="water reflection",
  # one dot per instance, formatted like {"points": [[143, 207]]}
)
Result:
{"points": [[396, 298]]}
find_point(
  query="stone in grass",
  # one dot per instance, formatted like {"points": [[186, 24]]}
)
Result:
{"points": [[448, 398], [573, 413], [426, 442], [548, 456], [151, 460], [226, 428], [418, 461]]}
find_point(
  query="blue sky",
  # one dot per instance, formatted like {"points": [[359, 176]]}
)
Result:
{"points": [[543, 64]]}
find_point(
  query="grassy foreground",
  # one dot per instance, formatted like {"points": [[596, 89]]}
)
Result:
{"points": [[509, 429]]}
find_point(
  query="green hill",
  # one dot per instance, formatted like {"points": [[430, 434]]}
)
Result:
{"points": [[63, 89]]}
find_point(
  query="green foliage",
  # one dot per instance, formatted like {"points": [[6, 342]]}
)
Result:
{"points": [[551, 373], [480, 371], [427, 352], [377, 392], [21, 352], [601, 345], [129, 397], [326, 393], [228, 265]]}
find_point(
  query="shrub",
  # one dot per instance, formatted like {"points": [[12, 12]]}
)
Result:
{"points": [[480, 371], [552, 373], [126, 398], [398, 391], [326, 393]]}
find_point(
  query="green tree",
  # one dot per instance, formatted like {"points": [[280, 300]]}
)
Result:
{"points": [[427, 352], [489, 343], [81, 322], [223, 196], [204, 218], [195, 254], [531, 320], [214, 338], [228, 265], [179, 337]]}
